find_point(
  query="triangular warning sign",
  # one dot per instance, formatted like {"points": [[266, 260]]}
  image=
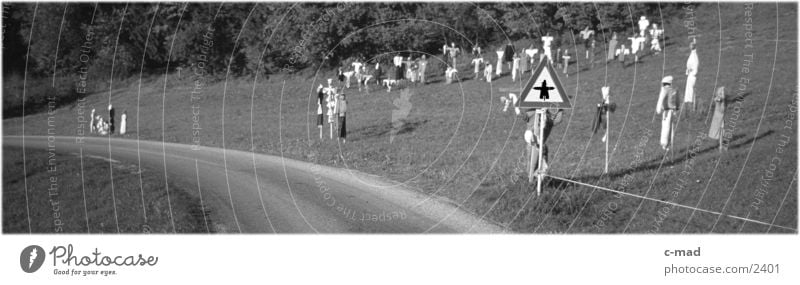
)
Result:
{"points": [[544, 90]]}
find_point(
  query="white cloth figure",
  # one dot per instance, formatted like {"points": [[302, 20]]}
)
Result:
{"points": [[515, 69], [102, 126], [531, 52], [655, 33], [477, 62], [655, 45], [666, 128], [453, 53], [546, 50], [330, 102], [450, 73], [499, 67], [586, 33], [691, 76], [488, 72], [634, 44], [398, 61], [123, 123], [347, 76], [91, 123], [643, 24], [606, 100], [666, 105], [509, 101], [377, 72], [358, 72]]}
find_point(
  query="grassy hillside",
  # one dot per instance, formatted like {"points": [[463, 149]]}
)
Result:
{"points": [[456, 142]]}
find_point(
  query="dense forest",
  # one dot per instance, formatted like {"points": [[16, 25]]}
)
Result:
{"points": [[66, 41]]}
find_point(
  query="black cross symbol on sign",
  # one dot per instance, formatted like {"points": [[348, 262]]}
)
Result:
{"points": [[543, 90]]}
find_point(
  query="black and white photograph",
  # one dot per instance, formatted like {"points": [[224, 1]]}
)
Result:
{"points": [[423, 120]]}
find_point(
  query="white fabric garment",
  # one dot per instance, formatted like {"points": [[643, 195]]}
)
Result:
{"points": [[331, 104], [123, 124], [691, 76], [546, 42], [450, 73], [585, 34], [515, 69], [666, 128], [531, 52], [511, 100], [548, 53], [488, 73], [643, 24], [688, 96], [634, 44], [655, 45], [102, 126], [546, 50], [514, 99], [357, 67], [499, 69], [656, 32], [91, 123], [347, 76], [477, 62], [398, 60]]}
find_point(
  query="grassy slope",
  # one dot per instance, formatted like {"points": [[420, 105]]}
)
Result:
{"points": [[457, 144], [64, 211]]}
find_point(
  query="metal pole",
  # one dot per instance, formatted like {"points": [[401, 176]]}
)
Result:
{"points": [[540, 141], [608, 125]]}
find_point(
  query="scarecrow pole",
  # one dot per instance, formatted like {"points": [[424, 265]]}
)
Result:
{"points": [[530, 164], [608, 125]]}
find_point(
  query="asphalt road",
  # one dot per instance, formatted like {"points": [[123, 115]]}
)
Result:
{"points": [[256, 193]]}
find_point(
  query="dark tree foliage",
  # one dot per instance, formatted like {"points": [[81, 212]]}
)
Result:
{"points": [[243, 39]]}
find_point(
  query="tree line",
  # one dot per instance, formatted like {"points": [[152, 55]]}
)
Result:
{"points": [[65, 40]]}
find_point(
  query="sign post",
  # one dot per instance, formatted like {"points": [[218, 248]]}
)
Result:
{"points": [[542, 92], [530, 164], [542, 113]]}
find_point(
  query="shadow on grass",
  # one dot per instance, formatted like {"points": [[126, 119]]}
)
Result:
{"points": [[682, 155], [733, 99], [379, 130]]}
